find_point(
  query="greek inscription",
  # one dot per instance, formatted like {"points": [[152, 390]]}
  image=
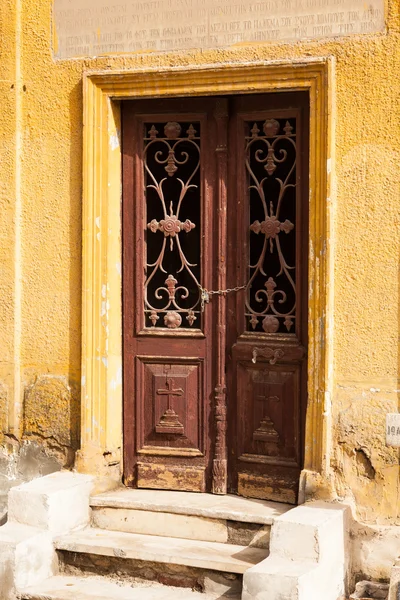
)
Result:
{"points": [[322, 30], [346, 28], [300, 32], [367, 27], [93, 27], [331, 18]]}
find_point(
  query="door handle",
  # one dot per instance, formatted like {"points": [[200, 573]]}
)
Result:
{"points": [[267, 352]]}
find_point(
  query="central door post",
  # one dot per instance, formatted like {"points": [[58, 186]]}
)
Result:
{"points": [[220, 469]]}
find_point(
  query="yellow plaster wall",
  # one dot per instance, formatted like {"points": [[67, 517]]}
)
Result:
{"points": [[7, 207], [40, 176]]}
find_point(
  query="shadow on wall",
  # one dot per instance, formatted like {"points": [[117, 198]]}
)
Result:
{"points": [[21, 462]]}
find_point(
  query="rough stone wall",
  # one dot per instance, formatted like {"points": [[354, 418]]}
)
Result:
{"points": [[366, 471], [50, 433]]}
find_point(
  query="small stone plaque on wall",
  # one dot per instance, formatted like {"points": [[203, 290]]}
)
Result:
{"points": [[393, 429], [97, 27]]}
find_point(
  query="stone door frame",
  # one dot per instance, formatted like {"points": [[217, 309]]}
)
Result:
{"points": [[101, 399]]}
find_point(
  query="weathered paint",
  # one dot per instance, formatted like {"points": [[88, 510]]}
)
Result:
{"points": [[252, 486], [40, 253], [159, 476]]}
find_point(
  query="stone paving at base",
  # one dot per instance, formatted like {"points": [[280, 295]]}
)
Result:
{"points": [[93, 588]]}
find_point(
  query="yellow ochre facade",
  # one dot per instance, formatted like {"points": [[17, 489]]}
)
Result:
{"points": [[60, 253]]}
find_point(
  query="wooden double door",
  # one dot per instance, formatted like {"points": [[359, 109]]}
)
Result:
{"points": [[215, 242]]}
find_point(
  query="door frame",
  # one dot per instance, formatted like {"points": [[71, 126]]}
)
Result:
{"points": [[101, 397]]}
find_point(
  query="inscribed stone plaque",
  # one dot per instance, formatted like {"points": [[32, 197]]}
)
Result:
{"points": [[393, 429], [96, 27]]}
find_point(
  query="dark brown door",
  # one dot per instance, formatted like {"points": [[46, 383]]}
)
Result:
{"points": [[215, 196], [169, 180], [267, 322]]}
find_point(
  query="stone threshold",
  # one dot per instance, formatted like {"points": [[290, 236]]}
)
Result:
{"points": [[229, 507]]}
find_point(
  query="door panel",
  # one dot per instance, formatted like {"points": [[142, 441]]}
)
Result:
{"points": [[267, 321], [169, 395], [267, 440], [169, 199]]}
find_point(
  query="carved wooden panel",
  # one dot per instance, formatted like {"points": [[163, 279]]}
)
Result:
{"points": [[169, 393], [268, 412]]}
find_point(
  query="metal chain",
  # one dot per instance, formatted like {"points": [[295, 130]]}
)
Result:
{"points": [[205, 294]]}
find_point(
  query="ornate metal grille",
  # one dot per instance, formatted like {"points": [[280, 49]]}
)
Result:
{"points": [[173, 205], [271, 171]]}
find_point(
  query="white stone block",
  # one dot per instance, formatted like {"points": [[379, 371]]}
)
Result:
{"points": [[57, 503], [35, 560], [394, 586], [278, 578], [27, 557], [307, 556], [311, 531], [374, 548], [275, 578], [7, 586]]}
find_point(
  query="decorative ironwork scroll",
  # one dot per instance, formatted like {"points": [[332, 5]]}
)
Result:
{"points": [[271, 170], [173, 205]]}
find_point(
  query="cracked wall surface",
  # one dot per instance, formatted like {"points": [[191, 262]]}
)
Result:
{"points": [[40, 253], [365, 469], [51, 412], [49, 438]]}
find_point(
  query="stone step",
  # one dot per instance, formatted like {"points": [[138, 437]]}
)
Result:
{"points": [[212, 506], [97, 588], [227, 558], [227, 519]]}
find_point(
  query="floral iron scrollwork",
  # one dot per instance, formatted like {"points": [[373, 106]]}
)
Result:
{"points": [[170, 226], [271, 169], [175, 300]]}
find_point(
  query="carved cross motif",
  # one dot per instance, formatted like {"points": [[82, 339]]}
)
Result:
{"points": [[169, 422], [170, 391], [266, 431]]}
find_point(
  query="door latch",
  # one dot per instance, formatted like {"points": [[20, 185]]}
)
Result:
{"points": [[267, 352]]}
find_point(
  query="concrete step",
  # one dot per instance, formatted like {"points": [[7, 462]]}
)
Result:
{"points": [[216, 556], [227, 519], [96, 588], [229, 507]]}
